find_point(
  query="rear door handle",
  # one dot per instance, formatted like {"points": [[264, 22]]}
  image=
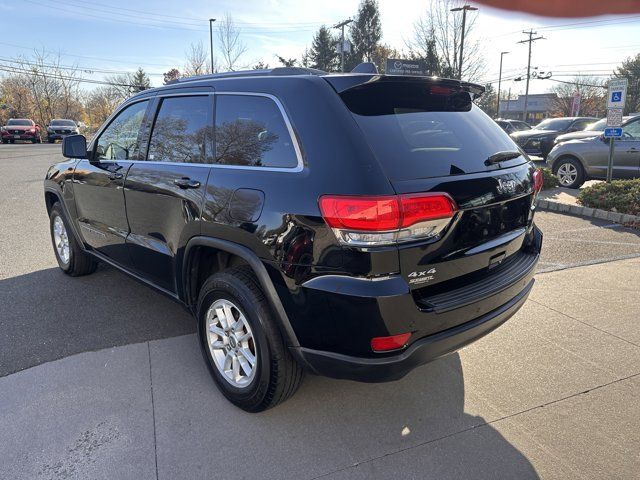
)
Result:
{"points": [[186, 183]]}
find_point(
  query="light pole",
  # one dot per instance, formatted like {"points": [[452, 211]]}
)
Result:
{"points": [[464, 9], [211, 20], [502, 54], [341, 26]]}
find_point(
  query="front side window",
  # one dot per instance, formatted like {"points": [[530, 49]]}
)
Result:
{"points": [[250, 131], [119, 141], [181, 130], [631, 131]]}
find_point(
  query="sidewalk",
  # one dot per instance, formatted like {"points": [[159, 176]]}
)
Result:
{"points": [[551, 394]]}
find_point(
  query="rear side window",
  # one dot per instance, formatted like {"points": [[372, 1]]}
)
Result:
{"points": [[418, 130], [180, 131], [251, 131]]}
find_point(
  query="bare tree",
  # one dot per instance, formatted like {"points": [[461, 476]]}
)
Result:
{"points": [[441, 28], [198, 61], [591, 90], [229, 43]]}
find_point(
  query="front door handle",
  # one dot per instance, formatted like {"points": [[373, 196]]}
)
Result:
{"points": [[185, 182]]}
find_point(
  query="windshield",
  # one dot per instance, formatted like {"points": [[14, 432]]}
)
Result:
{"points": [[63, 123], [22, 123], [597, 126], [418, 134], [521, 126], [554, 124]]}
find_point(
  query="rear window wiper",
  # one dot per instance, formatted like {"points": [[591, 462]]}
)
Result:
{"points": [[501, 157]]}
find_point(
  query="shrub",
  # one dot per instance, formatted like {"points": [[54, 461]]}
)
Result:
{"points": [[550, 180], [619, 196]]}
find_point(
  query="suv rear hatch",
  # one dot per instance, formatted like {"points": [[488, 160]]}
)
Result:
{"points": [[429, 137]]}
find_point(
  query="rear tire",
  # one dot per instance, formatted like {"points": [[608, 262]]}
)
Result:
{"points": [[72, 260], [569, 172], [274, 375]]}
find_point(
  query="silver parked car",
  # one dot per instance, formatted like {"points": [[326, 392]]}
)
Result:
{"points": [[576, 161]]}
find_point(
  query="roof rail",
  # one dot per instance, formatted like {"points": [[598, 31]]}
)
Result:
{"points": [[278, 71]]}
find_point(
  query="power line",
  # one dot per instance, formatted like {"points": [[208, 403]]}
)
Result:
{"points": [[10, 69], [89, 70]]}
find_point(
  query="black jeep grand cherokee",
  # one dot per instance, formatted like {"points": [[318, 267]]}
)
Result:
{"points": [[355, 225]]}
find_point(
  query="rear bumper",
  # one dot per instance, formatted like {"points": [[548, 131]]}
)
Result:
{"points": [[394, 367], [348, 312]]}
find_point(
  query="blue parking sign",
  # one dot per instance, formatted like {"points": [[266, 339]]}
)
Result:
{"points": [[615, 132], [616, 96]]}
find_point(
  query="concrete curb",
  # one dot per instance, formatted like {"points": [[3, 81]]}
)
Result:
{"points": [[589, 212]]}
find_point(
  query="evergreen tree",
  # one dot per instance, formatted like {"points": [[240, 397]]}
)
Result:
{"points": [[140, 80], [366, 31], [488, 100], [323, 54]]}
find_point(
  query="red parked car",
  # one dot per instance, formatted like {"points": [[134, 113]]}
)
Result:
{"points": [[20, 129]]}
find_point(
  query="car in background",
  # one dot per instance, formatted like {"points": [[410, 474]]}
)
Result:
{"points": [[594, 130], [59, 128], [511, 126], [20, 129], [540, 140], [578, 160]]}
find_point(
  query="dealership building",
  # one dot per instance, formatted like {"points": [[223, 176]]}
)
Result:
{"points": [[539, 107]]}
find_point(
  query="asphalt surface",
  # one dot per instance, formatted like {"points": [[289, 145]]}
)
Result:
{"points": [[118, 389], [47, 315]]}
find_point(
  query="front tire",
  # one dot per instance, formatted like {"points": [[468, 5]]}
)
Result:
{"points": [[241, 343], [72, 260], [569, 172]]}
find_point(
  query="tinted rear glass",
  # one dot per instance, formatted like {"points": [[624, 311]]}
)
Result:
{"points": [[417, 134]]}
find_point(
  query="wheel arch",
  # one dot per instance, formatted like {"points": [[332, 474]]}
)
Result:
{"points": [[241, 254]]}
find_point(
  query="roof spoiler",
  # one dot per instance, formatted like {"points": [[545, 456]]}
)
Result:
{"points": [[342, 83]]}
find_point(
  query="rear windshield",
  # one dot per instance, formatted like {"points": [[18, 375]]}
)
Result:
{"points": [[416, 133]]}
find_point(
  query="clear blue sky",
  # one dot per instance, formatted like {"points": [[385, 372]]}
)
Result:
{"points": [[122, 35]]}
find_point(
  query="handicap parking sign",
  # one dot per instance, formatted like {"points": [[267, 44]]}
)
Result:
{"points": [[616, 96]]}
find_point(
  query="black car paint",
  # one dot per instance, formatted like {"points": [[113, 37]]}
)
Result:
{"points": [[330, 300]]}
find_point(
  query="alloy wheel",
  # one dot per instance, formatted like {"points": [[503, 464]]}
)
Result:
{"points": [[61, 239], [567, 174], [231, 343]]}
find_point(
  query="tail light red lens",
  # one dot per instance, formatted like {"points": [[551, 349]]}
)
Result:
{"points": [[538, 181], [394, 342], [383, 220]]}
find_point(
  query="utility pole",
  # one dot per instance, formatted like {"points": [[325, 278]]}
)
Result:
{"points": [[502, 54], [464, 9], [211, 20], [341, 26], [530, 40]]}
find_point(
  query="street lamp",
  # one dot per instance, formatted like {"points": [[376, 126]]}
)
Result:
{"points": [[464, 23], [211, 20], [502, 54]]}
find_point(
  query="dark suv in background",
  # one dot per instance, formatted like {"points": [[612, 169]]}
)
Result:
{"points": [[540, 139], [59, 128], [355, 226]]}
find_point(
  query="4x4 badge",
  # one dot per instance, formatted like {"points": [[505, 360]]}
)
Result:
{"points": [[422, 276]]}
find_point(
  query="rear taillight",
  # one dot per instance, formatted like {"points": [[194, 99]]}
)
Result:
{"points": [[384, 220], [538, 181], [394, 342]]}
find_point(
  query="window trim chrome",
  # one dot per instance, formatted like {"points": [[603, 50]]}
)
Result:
{"points": [[294, 138]]}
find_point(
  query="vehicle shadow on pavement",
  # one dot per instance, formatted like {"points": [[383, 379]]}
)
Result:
{"points": [[48, 315], [420, 427]]}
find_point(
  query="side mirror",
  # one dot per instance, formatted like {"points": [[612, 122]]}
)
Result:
{"points": [[74, 146]]}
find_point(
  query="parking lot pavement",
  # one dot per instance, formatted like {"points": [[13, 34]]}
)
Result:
{"points": [[117, 388]]}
